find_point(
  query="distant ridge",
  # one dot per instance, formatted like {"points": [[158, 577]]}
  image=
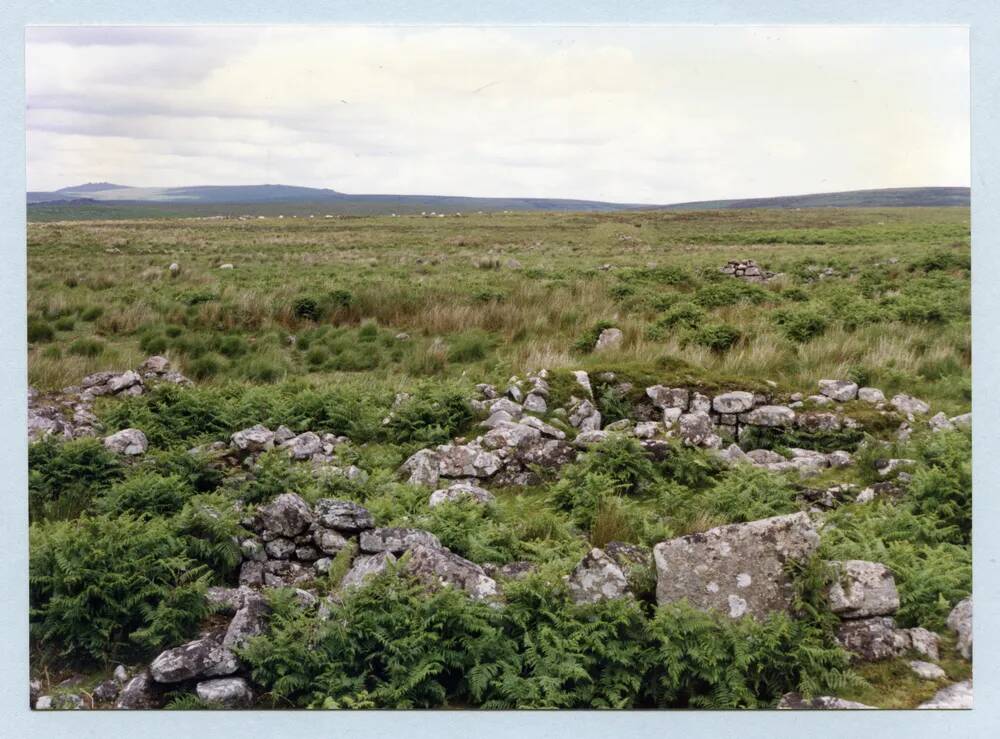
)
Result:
{"points": [[104, 199]]}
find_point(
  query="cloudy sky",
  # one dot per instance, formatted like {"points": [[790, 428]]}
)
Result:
{"points": [[654, 115]]}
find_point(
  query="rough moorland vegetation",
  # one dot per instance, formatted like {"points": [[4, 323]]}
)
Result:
{"points": [[501, 460]]}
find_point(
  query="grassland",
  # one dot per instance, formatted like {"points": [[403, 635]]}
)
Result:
{"points": [[489, 295], [321, 322]]}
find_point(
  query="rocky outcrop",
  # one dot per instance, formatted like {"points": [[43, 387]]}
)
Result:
{"points": [[747, 270], [737, 569]]}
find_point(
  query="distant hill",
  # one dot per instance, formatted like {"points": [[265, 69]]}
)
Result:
{"points": [[896, 197], [95, 200]]}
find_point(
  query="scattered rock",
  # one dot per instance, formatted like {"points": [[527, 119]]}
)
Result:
{"points": [[396, 540], [365, 567], [610, 339], [597, 577], [871, 395], [769, 415], [128, 442], [461, 491], [205, 657], [927, 670], [227, 692], [255, 439], [839, 390], [862, 589], [909, 406], [872, 639]]}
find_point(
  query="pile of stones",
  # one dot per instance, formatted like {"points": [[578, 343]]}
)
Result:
{"points": [[747, 269], [69, 413]]}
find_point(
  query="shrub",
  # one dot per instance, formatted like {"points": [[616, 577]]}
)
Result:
{"points": [[729, 292], [802, 324], [306, 308], [685, 314], [718, 337], [39, 331], [64, 477], [341, 298], [91, 313], [942, 485], [746, 493], [84, 347], [65, 323], [101, 586], [233, 346], [206, 366], [262, 369], [153, 343]]}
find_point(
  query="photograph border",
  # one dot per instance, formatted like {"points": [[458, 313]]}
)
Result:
{"points": [[983, 19]]}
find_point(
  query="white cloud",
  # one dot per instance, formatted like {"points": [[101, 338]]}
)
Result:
{"points": [[656, 114]]}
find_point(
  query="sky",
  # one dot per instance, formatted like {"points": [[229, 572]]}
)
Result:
{"points": [[627, 114]]}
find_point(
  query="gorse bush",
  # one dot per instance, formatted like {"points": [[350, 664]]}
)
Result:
{"points": [[104, 587], [718, 337], [802, 324]]}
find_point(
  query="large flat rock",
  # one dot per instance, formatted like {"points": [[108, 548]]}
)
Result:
{"points": [[737, 569]]}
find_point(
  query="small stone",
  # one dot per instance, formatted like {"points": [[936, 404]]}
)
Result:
{"points": [[127, 442], [839, 390], [609, 340], [956, 696], [927, 670], [229, 692], [597, 577], [871, 395]]}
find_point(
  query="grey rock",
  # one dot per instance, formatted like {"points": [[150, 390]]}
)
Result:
{"points": [[909, 406], [765, 456], [963, 421], [343, 515], [697, 429], [924, 642], [886, 467], [535, 403], [960, 622], [597, 577], [255, 439], [365, 567], [871, 395], [862, 589], [648, 429], [584, 415], [128, 442], [506, 405], [737, 569], [124, 381], [699, 403], [329, 541], [737, 401], [283, 434], [587, 439], [955, 696], [304, 446], [584, 382], [287, 515], [60, 702], [839, 390], [496, 419], [733, 455], [120, 674], [205, 657], [510, 436], [609, 340], [770, 415], [283, 573], [106, 691], [940, 422], [226, 600], [818, 421], [252, 573], [280, 548], [872, 639], [228, 692], [395, 540], [927, 670], [437, 566], [249, 621], [839, 459], [669, 397], [468, 460], [155, 365], [461, 491], [544, 428]]}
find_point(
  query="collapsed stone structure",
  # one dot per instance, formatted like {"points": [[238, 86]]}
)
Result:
{"points": [[747, 269]]}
